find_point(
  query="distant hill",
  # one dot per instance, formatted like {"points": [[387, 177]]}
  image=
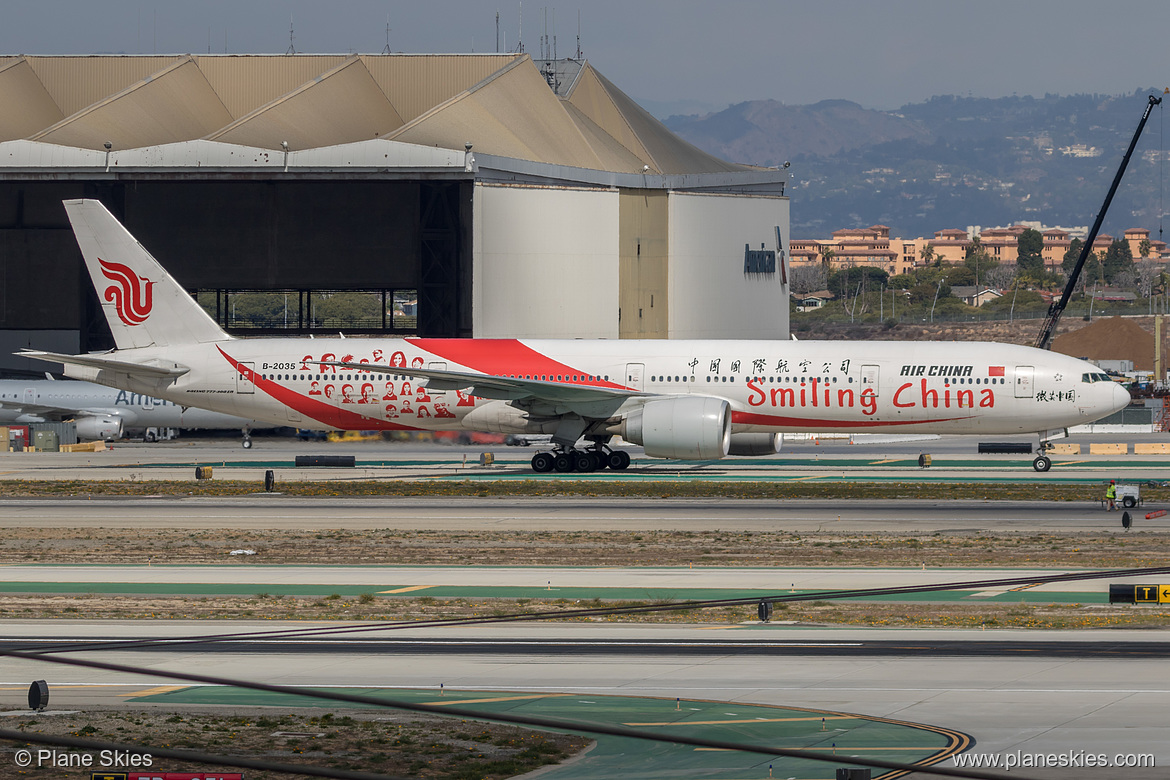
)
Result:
{"points": [[948, 162], [765, 132]]}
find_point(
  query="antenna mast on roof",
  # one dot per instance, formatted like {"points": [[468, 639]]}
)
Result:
{"points": [[578, 33], [521, 45], [386, 48], [497, 32], [291, 48]]}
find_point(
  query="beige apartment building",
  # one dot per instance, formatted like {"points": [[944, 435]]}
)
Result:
{"points": [[873, 246], [870, 246]]}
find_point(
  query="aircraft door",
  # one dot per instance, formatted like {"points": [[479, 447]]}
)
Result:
{"points": [[869, 379], [30, 396], [634, 375], [246, 379], [1025, 381]]}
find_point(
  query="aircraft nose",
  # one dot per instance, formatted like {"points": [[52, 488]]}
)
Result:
{"points": [[1120, 398]]}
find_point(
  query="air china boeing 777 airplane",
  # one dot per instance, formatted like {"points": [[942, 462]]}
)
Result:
{"points": [[678, 399]]}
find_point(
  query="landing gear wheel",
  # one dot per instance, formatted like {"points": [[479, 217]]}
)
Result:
{"points": [[600, 460], [1042, 463], [247, 442], [584, 462], [619, 460], [562, 462], [542, 462]]}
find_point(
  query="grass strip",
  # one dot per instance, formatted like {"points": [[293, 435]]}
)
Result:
{"points": [[624, 488]]}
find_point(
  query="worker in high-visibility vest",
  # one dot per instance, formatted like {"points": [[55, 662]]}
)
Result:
{"points": [[1111, 495]]}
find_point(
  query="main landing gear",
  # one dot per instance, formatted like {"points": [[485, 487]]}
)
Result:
{"points": [[582, 461]]}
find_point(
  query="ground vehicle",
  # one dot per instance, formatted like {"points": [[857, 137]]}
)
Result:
{"points": [[1129, 495]]}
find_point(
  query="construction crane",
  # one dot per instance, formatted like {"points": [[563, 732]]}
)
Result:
{"points": [[1044, 341]]}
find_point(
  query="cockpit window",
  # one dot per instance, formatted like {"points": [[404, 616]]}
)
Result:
{"points": [[1095, 377]]}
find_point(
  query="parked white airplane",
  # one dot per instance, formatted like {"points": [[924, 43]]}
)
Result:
{"points": [[678, 399], [106, 413]]}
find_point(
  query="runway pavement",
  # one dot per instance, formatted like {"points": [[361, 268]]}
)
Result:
{"points": [[272, 511], [1007, 699], [654, 583], [954, 458], [1011, 690]]}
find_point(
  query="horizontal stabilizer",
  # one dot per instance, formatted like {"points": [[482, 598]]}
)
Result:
{"points": [[155, 369]]}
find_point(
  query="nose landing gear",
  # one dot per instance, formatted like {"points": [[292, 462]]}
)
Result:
{"points": [[1042, 462]]}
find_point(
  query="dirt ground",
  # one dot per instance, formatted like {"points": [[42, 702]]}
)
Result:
{"points": [[584, 548], [392, 743]]}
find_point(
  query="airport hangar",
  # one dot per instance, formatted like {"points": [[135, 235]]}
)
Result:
{"points": [[505, 197]]}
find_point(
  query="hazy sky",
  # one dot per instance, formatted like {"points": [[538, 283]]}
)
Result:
{"points": [[879, 53]]}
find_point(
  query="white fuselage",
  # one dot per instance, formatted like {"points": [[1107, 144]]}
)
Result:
{"points": [[771, 386]]}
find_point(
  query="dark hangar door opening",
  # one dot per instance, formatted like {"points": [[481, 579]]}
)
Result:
{"points": [[286, 257]]}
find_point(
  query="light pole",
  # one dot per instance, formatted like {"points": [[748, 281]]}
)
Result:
{"points": [[936, 291]]}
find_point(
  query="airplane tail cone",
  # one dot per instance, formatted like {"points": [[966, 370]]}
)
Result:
{"points": [[143, 304]]}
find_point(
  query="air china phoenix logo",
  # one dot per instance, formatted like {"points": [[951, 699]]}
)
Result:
{"points": [[129, 295]]}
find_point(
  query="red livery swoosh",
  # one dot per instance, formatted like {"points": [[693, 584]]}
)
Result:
{"points": [[807, 423], [341, 419], [503, 357]]}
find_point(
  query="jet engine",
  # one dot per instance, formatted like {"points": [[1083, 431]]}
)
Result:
{"points": [[101, 428], [500, 417], [755, 444], [693, 428]]}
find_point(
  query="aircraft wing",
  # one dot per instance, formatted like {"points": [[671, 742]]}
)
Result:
{"points": [[505, 388], [154, 370], [48, 413]]}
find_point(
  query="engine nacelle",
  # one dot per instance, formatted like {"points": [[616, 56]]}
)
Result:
{"points": [[99, 428], [693, 428], [755, 444], [500, 417]]}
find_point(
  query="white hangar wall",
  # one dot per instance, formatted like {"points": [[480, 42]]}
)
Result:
{"points": [[711, 296], [544, 262], [547, 264]]}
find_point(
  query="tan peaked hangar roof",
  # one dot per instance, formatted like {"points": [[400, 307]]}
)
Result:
{"points": [[500, 103]]}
